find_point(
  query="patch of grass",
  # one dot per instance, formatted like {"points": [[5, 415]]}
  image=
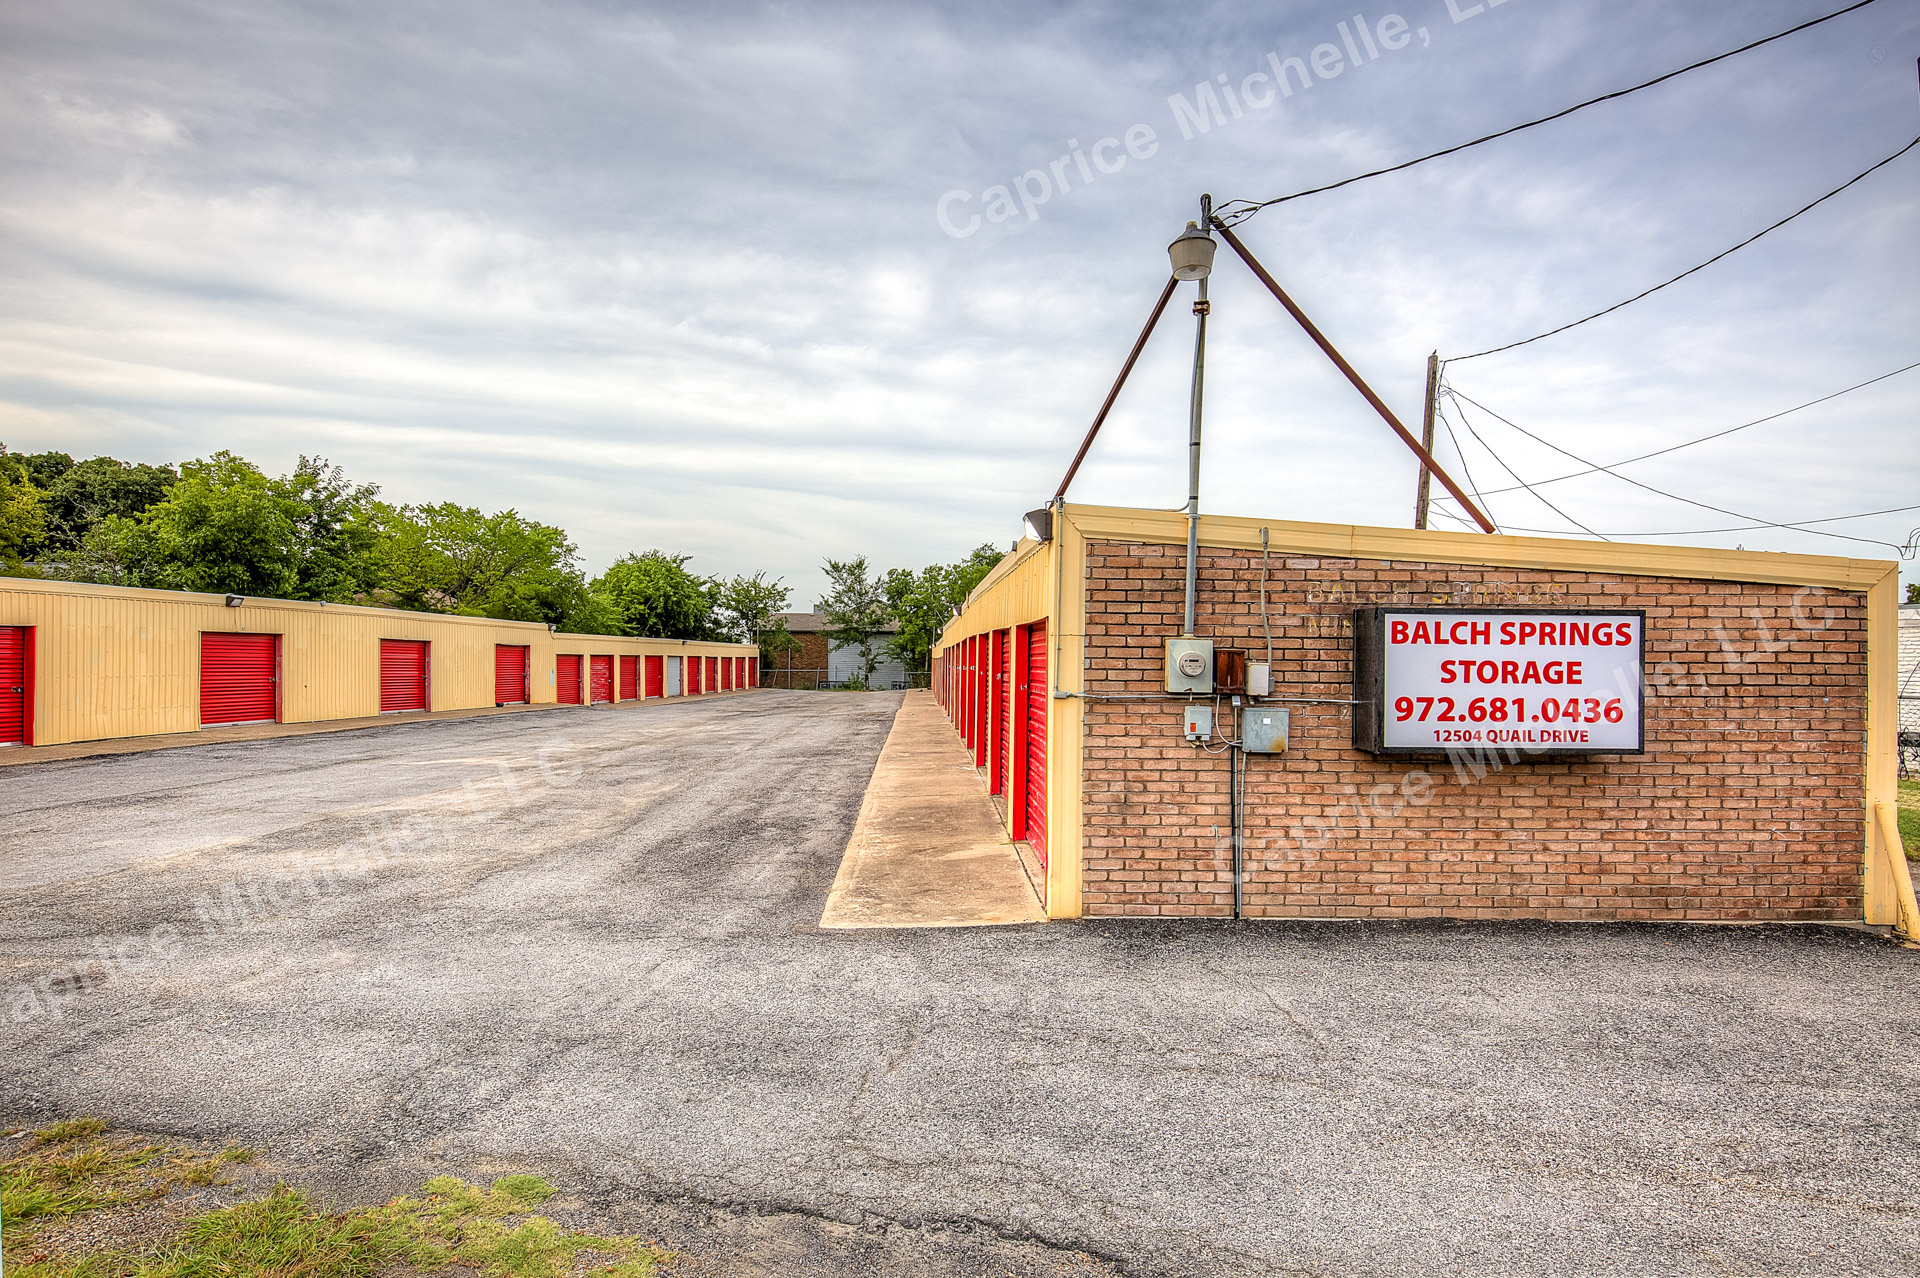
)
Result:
{"points": [[1908, 814], [74, 1167]]}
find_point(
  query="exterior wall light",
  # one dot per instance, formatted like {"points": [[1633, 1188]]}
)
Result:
{"points": [[1192, 254], [1040, 523], [234, 601]]}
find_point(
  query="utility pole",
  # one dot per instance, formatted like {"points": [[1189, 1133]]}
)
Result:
{"points": [[1426, 438]]}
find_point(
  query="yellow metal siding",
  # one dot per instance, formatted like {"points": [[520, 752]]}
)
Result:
{"points": [[115, 662]]}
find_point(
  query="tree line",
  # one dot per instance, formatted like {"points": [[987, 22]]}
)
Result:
{"points": [[220, 524]]}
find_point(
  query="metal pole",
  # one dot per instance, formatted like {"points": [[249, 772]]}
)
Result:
{"points": [[1366, 391], [1140, 344], [1200, 308], [1420, 501]]}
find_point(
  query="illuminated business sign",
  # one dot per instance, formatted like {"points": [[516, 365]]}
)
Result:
{"points": [[1468, 678]]}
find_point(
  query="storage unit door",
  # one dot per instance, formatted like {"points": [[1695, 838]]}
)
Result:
{"points": [[1037, 739], [711, 679], [997, 756], [13, 685], [753, 672], [693, 676], [726, 674], [676, 678], [403, 675], [601, 669], [656, 677], [509, 674], [239, 678], [629, 678], [566, 679]]}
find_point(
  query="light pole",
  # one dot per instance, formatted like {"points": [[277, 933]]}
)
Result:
{"points": [[1192, 256]]}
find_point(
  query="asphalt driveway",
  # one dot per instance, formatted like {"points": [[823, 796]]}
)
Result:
{"points": [[585, 942]]}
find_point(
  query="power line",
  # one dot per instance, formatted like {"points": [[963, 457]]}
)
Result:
{"points": [[1758, 520], [1236, 211], [1798, 525], [1693, 269], [1466, 470], [1674, 448], [1523, 483]]}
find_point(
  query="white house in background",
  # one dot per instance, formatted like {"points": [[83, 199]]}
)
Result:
{"points": [[840, 662]]}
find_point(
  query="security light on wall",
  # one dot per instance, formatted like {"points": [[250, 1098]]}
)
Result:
{"points": [[1040, 523], [1192, 254], [234, 601]]}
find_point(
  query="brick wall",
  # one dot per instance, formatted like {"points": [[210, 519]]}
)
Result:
{"points": [[1745, 806]]}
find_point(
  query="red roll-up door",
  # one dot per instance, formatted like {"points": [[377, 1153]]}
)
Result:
{"points": [[753, 672], [997, 716], [656, 676], [601, 681], [13, 685], [1037, 738], [403, 675], [566, 678], [692, 678], [629, 678], [239, 678], [726, 674], [712, 678], [509, 674]]}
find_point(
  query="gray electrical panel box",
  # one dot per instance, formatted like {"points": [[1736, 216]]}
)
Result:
{"points": [[1189, 665], [1259, 679], [1263, 730], [1199, 723]]}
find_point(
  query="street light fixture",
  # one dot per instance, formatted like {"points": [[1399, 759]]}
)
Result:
{"points": [[1192, 253]]}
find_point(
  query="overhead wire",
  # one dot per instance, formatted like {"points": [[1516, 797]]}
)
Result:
{"points": [[1525, 341], [1757, 520], [1674, 448], [1800, 525], [1516, 476], [1465, 469], [1235, 211]]}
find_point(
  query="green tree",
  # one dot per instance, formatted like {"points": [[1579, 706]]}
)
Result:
{"points": [[452, 558], [333, 531], [99, 488], [45, 468], [856, 611], [776, 641], [924, 602], [23, 514], [654, 595], [745, 605], [222, 528]]}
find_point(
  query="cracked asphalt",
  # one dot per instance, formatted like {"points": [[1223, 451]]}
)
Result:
{"points": [[585, 943]]}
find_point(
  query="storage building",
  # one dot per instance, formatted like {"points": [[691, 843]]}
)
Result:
{"points": [[1372, 722], [85, 663]]}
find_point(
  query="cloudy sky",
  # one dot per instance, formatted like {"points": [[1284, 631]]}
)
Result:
{"points": [[676, 278]]}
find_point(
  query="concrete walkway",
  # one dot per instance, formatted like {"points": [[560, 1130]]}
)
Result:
{"points": [[928, 849]]}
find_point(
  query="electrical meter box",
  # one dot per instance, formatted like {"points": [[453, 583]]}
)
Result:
{"points": [[1199, 723], [1189, 665], [1263, 730]]}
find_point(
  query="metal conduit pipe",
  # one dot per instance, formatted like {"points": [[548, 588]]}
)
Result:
{"points": [[1200, 308]]}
